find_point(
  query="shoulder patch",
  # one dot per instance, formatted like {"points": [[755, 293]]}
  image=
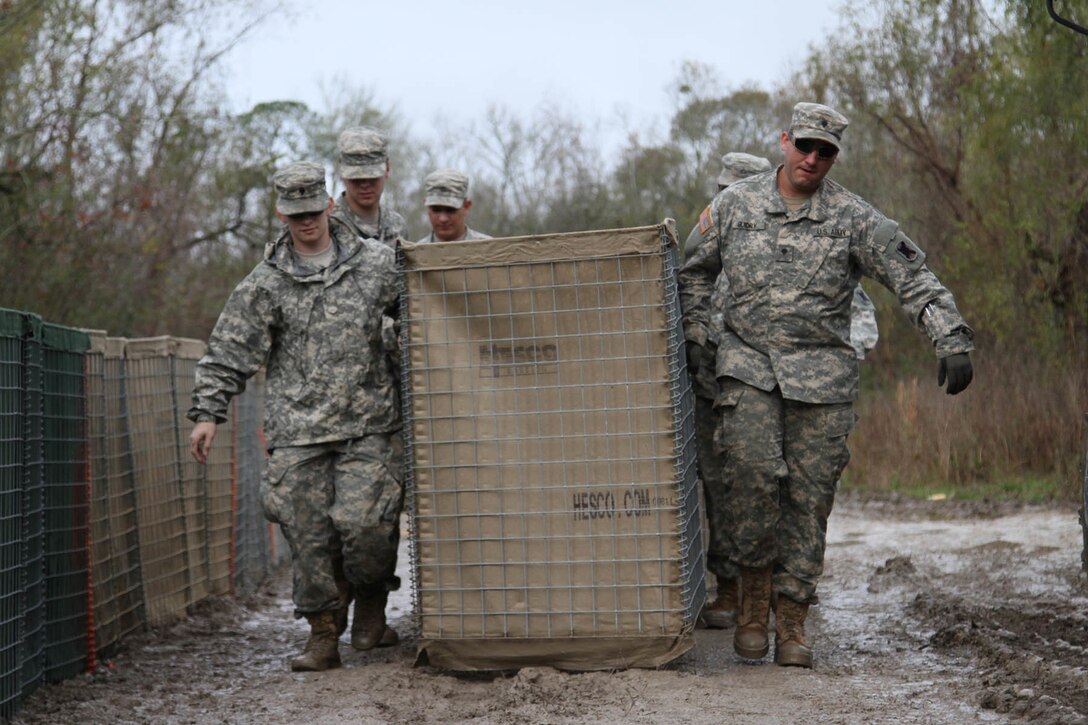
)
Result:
{"points": [[902, 250], [907, 251], [706, 220]]}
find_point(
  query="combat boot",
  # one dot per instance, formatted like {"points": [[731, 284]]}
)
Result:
{"points": [[368, 629], [750, 639], [321, 651], [790, 649], [722, 612]]}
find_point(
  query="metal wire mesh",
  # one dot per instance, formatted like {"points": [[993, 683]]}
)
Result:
{"points": [[106, 526], [66, 514], [12, 435], [253, 554], [159, 492], [33, 511], [552, 491], [118, 595]]}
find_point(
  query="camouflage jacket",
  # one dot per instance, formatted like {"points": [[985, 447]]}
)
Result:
{"points": [[470, 235], [783, 287], [326, 339], [864, 333], [390, 224]]}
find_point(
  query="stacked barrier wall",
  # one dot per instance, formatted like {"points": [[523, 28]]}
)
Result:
{"points": [[107, 526]]}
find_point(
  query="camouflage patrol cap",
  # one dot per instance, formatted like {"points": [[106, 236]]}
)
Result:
{"points": [[814, 120], [300, 188], [445, 187], [736, 166], [362, 153]]}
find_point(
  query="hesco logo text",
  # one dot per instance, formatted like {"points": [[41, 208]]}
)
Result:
{"points": [[506, 360]]}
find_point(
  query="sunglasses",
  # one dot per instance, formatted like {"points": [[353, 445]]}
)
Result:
{"points": [[807, 145]]}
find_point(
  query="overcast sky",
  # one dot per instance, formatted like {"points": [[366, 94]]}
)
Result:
{"points": [[605, 61]]}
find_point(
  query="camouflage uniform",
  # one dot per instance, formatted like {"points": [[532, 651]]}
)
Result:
{"points": [[863, 337], [773, 292], [388, 229], [864, 332], [362, 154], [326, 339]]}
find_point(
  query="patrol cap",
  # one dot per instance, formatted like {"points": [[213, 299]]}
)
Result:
{"points": [[737, 165], [445, 187], [300, 188], [814, 120], [362, 154]]}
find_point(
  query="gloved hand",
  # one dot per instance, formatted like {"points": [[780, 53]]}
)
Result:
{"points": [[957, 370], [699, 357]]}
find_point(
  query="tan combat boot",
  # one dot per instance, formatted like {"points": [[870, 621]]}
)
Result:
{"points": [[368, 628], [750, 638], [321, 651], [722, 612], [790, 649]]}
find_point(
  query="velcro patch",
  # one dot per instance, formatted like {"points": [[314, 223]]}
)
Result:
{"points": [[906, 251], [903, 251], [705, 220]]}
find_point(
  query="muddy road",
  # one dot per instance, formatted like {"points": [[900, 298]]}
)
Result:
{"points": [[930, 613]]}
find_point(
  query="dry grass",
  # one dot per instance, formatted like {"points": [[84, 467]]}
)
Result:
{"points": [[1018, 422]]}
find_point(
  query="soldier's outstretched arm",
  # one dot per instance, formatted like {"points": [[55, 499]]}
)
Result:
{"points": [[895, 261]]}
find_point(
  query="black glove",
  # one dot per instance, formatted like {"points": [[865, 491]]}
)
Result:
{"points": [[698, 357], [957, 370]]}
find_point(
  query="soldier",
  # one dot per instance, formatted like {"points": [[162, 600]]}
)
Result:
{"points": [[363, 163], [773, 281], [448, 202], [721, 613], [318, 313]]}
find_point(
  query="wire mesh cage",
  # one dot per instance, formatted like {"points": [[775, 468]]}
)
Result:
{"points": [[115, 545], [12, 437], [554, 512]]}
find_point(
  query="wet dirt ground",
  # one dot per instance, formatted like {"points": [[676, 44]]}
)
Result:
{"points": [[931, 612]]}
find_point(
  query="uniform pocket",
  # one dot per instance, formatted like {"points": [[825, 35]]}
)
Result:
{"points": [[273, 495], [730, 391], [841, 422], [825, 266]]}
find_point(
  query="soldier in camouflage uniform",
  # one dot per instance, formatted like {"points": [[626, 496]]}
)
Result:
{"points": [[721, 613], [772, 283], [363, 163], [448, 202], [318, 313]]}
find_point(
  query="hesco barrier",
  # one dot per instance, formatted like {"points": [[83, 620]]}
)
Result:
{"points": [[107, 526], [552, 486]]}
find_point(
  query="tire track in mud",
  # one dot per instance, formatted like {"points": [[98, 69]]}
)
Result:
{"points": [[1032, 655]]}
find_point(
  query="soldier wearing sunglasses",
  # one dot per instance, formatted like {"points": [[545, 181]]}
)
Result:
{"points": [[721, 613], [772, 282]]}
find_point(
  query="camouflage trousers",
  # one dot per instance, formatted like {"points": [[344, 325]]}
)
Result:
{"points": [[783, 459], [719, 558], [338, 505]]}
